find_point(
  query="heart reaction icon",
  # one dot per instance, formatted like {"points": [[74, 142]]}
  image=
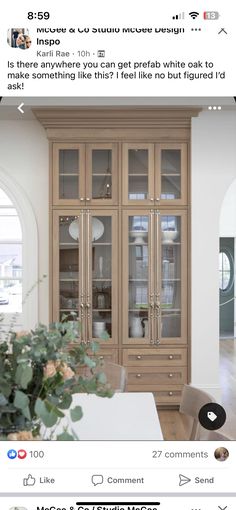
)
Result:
{"points": [[22, 454]]}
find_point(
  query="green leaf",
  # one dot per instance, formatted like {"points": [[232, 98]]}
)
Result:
{"points": [[21, 401], [76, 413], [104, 336], [24, 375], [66, 401], [5, 388], [26, 413], [49, 418], [102, 378], [65, 436], [3, 400], [89, 362]]}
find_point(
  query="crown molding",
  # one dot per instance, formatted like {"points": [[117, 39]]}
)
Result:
{"points": [[115, 117]]}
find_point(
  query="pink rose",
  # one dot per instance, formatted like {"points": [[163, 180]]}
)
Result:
{"points": [[49, 370]]}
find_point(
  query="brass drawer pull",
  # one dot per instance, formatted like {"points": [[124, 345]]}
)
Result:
{"points": [[170, 393], [139, 357], [101, 357], [170, 356], [138, 376], [170, 375]]}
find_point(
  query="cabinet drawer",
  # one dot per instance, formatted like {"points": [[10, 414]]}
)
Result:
{"points": [[164, 395], [108, 355], [155, 357], [159, 375]]}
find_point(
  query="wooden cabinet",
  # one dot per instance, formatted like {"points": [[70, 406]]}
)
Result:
{"points": [[85, 261], [84, 174], [154, 174], [120, 236], [154, 277]]}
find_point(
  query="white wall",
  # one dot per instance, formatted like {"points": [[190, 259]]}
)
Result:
{"points": [[24, 157], [228, 213], [213, 170]]}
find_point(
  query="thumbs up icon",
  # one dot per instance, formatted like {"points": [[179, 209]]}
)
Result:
{"points": [[29, 481]]}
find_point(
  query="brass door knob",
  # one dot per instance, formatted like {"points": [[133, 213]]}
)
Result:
{"points": [[170, 356], [170, 393], [138, 357], [170, 375], [138, 376]]}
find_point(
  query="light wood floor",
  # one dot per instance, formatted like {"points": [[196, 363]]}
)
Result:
{"points": [[176, 427]]}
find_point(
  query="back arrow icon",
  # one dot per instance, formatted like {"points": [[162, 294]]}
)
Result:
{"points": [[20, 108]]}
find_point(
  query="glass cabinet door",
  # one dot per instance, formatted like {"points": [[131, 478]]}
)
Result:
{"points": [[68, 279], [137, 283], [172, 278], [68, 174], [101, 174], [138, 174], [101, 274], [171, 174]]}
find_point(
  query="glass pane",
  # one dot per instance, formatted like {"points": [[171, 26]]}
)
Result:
{"points": [[101, 173], [10, 260], [101, 276], [4, 199], [68, 254], [68, 173], [10, 295], [138, 174], [10, 228], [224, 271], [138, 276], [171, 276], [170, 174]]}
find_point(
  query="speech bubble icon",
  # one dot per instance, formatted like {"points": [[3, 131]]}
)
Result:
{"points": [[97, 479]]}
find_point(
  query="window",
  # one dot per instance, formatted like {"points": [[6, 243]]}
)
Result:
{"points": [[10, 257], [225, 271]]}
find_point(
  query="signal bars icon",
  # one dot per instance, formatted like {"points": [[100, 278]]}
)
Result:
{"points": [[179, 16]]}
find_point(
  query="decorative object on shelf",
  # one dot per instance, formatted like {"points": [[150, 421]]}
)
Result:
{"points": [[99, 327], [144, 322], [97, 229], [169, 236], [136, 328], [41, 369], [100, 266], [101, 300], [139, 235]]}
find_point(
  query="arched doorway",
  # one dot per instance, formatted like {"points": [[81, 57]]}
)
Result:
{"points": [[25, 229]]}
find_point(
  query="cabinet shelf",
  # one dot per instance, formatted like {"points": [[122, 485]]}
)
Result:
{"points": [[101, 279], [71, 280], [138, 175], [170, 175], [69, 244], [102, 310], [101, 244], [102, 175], [170, 279], [68, 174]]}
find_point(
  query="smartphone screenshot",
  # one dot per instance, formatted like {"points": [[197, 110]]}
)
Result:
{"points": [[117, 257]]}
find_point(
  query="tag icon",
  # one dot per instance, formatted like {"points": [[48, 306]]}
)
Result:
{"points": [[211, 416]]}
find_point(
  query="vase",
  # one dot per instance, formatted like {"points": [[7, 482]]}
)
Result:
{"points": [[136, 328]]}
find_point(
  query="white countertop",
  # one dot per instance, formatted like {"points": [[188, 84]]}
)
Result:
{"points": [[123, 417]]}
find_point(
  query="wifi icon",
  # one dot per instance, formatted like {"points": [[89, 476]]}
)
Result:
{"points": [[194, 14]]}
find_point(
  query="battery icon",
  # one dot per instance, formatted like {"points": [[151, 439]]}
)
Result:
{"points": [[211, 15]]}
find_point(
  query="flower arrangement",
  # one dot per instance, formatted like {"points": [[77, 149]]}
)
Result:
{"points": [[40, 371]]}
